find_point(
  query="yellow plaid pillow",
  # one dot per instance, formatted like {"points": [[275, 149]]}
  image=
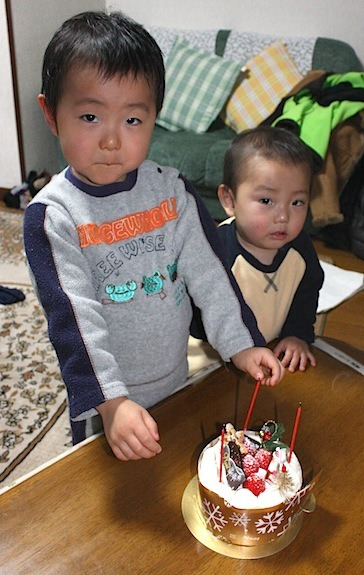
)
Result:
{"points": [[265, 80]]}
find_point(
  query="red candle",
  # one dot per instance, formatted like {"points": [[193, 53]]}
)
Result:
{"points": [[221, 452], [251, 406], [295, 430]]}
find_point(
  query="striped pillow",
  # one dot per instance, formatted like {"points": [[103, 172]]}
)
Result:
{"points": [[266, 79], [197, 86]]}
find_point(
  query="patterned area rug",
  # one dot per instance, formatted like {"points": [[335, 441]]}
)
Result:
{"points": [[32, 394]]}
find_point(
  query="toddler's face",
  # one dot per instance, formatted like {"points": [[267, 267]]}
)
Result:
{"points": [[270, 206], [104, 125]]}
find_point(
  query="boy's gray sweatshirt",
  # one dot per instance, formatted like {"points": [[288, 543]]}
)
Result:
{"points": [[115, 269]]}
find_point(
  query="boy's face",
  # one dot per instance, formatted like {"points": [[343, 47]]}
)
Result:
{"points": [[104, 125], [270, 205]]}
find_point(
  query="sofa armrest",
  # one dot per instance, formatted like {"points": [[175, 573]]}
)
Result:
{"points": [[335, 56]]}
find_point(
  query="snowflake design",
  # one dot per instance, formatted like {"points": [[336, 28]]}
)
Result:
{"points": [[298, 497], [240, 520], [269, 522], [285, 527], [213, 515]]}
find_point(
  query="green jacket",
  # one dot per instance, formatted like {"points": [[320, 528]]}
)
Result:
{"points": [[314, 112]]}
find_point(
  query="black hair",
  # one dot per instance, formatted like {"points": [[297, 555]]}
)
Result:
{"points": [[268, 142], [113, 43]]}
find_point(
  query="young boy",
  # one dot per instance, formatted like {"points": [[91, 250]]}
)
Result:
{"points": [[266, 190], [118, 245]]}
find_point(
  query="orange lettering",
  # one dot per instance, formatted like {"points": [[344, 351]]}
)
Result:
{"points": [[92, 231], [156, 217], [82, 236], [146, 222], [106, 233], [170, 213], [134, 225], [119, 230], [129, 226]]}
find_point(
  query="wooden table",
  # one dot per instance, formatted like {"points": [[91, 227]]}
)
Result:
{"points": [[91, 514]]}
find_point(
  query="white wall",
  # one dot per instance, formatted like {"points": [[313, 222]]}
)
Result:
{"points": [[9, 150], [339, 19], [34, 23]]}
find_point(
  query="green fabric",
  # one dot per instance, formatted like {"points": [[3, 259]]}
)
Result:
{"points": [[199, 157], [315, 121], [335, 56], [221, 39], [197, 85]]}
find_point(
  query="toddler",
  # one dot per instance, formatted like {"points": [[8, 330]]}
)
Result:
{"points": [[265, 192], [118, 246]]}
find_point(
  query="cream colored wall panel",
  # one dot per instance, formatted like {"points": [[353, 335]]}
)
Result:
{"points": [[10, 171]]}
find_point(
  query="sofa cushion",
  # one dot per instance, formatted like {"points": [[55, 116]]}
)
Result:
{"points": [[197, 86], [267, 78], [199, 157], [242, 46]]}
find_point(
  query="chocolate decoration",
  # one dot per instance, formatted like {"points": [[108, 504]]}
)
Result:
{"points": [[234, 474], [235, 454]]}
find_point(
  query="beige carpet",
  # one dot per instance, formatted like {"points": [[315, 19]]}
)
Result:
{"points": [[32, 394]]}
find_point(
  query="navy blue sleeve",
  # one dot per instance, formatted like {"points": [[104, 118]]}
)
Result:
{"points": [[302, 314], [75, 364]]}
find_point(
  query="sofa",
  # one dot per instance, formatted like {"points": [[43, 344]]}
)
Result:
{"points": [[198, 153]]}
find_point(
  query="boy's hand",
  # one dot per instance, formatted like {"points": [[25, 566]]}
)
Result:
{"points": [[294, 352], [130, 430], [260, 363]]}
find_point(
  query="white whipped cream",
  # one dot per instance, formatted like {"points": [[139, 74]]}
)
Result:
{"points": [[275, 493]]}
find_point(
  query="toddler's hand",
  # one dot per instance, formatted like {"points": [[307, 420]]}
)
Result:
{"points": [[260, 363], [130, 430], [294, 352]]}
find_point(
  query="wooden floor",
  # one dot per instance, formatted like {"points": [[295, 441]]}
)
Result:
{"points": [[346, 321]]}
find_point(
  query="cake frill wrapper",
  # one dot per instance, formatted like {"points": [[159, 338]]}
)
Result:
{"points": [[252, 526]]}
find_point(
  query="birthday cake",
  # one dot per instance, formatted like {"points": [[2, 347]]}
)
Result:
{"points": [[250, 484]]}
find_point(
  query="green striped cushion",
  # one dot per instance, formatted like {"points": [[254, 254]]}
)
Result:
{"points": [[197, 86]]}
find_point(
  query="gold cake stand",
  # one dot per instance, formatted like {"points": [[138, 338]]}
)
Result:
{"points": [[192, 514]]}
